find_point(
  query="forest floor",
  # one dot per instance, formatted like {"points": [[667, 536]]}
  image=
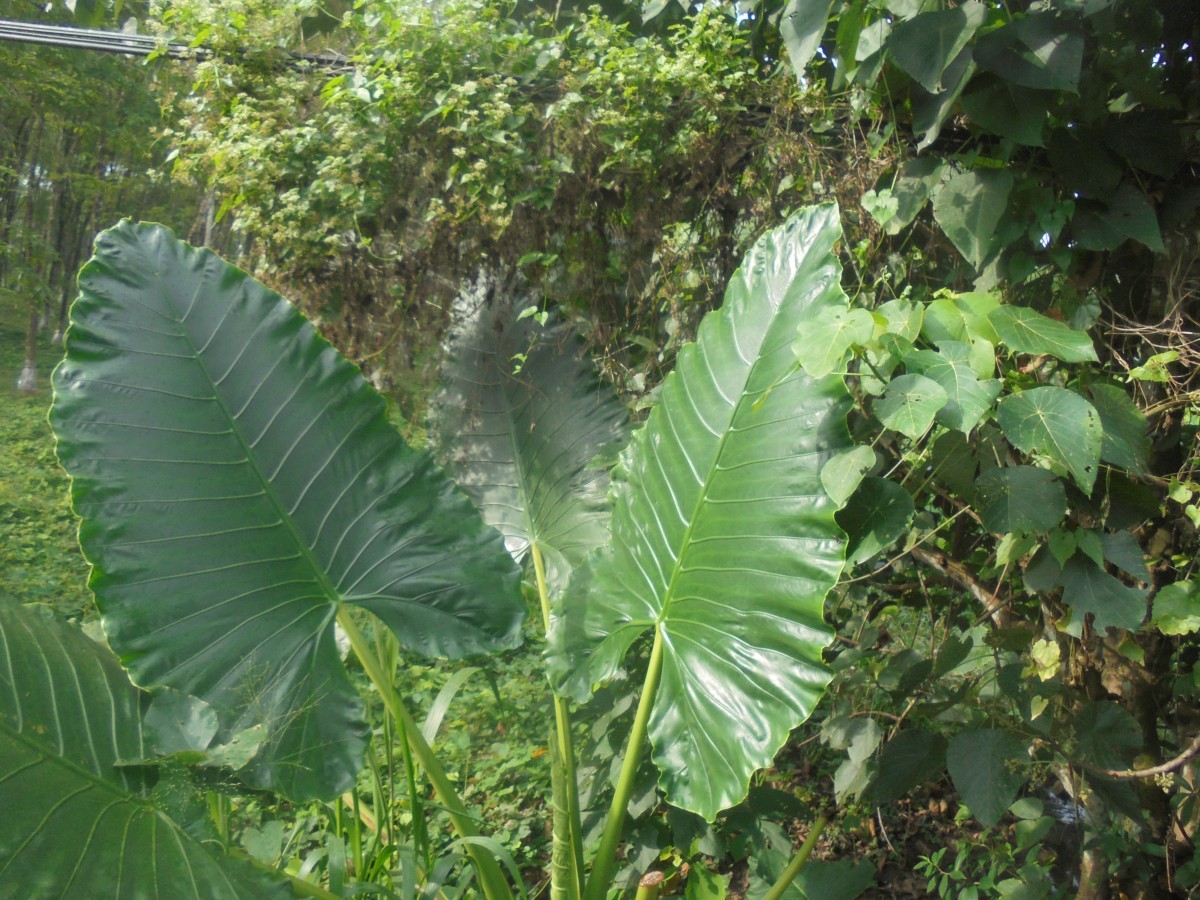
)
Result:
{"points": [[496, 746]]}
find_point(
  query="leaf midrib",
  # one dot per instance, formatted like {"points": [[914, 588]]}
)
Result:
{"points": [[324, 582]]}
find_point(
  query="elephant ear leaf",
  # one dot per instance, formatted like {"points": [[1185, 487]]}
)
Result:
{"points": [[724, 540], [522, 422], [238, 482], [75, 823]]}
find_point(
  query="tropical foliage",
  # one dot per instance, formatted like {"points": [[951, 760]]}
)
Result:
{"points": [[995, 519]]}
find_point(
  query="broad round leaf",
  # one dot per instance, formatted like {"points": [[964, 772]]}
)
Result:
{"points": [[524, 443], [1020, 498], [876, 516], [1089, 590], [925, 45], [968, 398], [1028, 331], [1058, 423], [910, 404], [821, 345], [238, 480], [842, 475], [724, 541], [983, 766], [75, 824], [1177, 608], [968, 207]]}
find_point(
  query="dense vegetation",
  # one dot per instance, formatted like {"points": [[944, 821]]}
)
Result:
{"points": [[1014, 627]]}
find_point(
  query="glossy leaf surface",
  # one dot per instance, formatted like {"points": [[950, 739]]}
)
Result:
{"points": [[724, 540], [238, 481], [524, 443], [75, 824]]}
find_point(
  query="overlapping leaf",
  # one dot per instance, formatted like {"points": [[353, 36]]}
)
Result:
{"points": [[75, 824], [724, 541], [238, 481], [524, 443], [1058, 423]]}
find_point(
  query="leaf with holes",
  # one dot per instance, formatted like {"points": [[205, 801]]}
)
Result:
{"points": [[910, 404], [1058, 423], [724, 541], [238, 482]]}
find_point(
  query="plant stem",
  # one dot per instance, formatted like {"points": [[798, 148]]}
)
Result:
{"points": [[606, 856], [491, 879], [650, 886], [564, 766], [798, 861]]}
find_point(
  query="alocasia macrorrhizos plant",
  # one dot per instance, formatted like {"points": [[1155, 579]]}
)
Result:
{"points": [[724, 543], [520, 421], [241, 490], [239, 483]]}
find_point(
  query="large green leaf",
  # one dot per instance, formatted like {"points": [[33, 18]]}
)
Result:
{"points": [[1058, 423], [524, 443], [1020, 498], [1126, 442], [968, 207], [1011, 111], [238, 481], [724, 541], [926, 44], [801, 25], [75, 824], [876, 516], [1036, 50], [910, 403], [983, 766], [1028, 331], [1089, 590], [968, 397]]}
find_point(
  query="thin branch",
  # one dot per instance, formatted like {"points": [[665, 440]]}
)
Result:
{"points": [[1169, 766]]}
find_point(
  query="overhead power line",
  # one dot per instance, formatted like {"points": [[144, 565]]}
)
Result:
{"points": [[140, 44]]}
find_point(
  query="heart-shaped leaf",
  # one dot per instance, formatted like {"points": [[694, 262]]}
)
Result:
{"points": [[1058, 423], [1028, 331], [822, 345], [982, 767], [1020, 498], [724, 542], [238, 481], [75, 823], [910, 404]]}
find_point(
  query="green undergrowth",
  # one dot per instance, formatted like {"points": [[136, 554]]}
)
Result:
{"points": [[39, 557]]}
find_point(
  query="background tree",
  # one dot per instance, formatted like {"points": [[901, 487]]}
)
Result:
{"points": [[75, 155]]}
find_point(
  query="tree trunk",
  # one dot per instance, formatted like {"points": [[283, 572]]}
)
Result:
{"points": [[27, 380]]}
